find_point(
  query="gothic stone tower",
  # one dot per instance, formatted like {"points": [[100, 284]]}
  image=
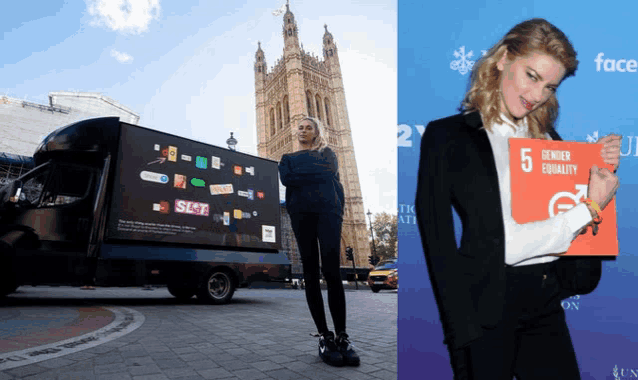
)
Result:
{"points": [[300, 85]]}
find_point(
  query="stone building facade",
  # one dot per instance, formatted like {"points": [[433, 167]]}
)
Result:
{"points": [[300, 85]]}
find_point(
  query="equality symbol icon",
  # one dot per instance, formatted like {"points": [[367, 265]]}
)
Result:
{"points": [[565, 206]]}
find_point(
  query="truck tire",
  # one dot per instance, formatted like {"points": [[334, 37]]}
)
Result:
{"points": [[375, 289], [217, 288], [181, 293]]}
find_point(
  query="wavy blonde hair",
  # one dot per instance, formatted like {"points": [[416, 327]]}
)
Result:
{"points": [[532, 36], [320, 142]]}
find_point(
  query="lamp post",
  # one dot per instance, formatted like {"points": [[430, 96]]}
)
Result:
{"points": [[231, 142], [374, 247]]}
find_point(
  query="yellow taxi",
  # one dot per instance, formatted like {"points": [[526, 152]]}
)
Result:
{"points": [[384, 276]]}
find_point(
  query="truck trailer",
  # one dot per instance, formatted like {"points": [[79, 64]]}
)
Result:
{"points": [[113, 204]]}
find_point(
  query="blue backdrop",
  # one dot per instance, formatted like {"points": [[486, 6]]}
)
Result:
{"points": [[438, 44]]}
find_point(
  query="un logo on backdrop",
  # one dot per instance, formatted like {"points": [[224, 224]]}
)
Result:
{"points": [[625, 373], [463, 63]]}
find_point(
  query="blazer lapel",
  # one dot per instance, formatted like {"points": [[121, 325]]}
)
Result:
{"points": [[491, 198], [484, 149]]}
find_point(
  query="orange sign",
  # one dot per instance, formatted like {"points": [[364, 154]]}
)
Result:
{"points": [[550, 177]]}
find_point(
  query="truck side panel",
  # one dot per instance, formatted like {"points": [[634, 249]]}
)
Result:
{"points": [[174, 190]]}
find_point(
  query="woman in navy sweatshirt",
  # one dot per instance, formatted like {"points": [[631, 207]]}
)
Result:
{"points": [[315, 201]]}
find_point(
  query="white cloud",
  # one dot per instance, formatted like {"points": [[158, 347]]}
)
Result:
{"points": [[121, 57], [127, 16]]}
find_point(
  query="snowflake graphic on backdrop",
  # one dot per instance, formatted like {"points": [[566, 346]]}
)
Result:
{"points": [[593, 137], [463, 63]]}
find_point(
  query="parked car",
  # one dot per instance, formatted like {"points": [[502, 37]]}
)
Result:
{"points": [[384, 276]]}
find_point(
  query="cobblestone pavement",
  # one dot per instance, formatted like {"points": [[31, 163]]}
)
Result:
{"points": [[261, 334]]}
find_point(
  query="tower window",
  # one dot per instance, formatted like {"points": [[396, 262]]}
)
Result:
{"points": [[272, 122], [325, 102], [318, 107], [289, 32], [309, 104], [286, 111]]}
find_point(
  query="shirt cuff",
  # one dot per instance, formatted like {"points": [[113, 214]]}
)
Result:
{"points": [[578, 217]]}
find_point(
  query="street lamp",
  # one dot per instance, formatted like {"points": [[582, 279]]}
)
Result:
{"points": [[374, 247], [231, 142]]}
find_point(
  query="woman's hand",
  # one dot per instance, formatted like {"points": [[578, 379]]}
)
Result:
{"points": [[602, 186], [611, 149]]}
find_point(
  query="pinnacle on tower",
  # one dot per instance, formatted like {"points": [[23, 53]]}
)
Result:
{"points": [[260, 60]]}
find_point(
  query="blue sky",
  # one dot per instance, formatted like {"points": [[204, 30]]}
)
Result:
{"points": [[187, 66]]}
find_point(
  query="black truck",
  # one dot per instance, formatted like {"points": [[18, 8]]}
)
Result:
{"points": [[114, 204]]}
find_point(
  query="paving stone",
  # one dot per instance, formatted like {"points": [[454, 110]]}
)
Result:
{"points": [[41, 376], [175, 373], [108, 359], [233, 365], [215, 373], [134, 353], [185, 350], [384, 375], [284, 374], [56, 363], [80, 356], [249, 374], [151, 377], [25, 371], [171, 363], [144, 370], [142, 360], [203, 364], [110, 368], [157, 348], [114, 376], [80, 376]]}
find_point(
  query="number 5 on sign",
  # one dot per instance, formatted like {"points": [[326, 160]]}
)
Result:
{"points": [[526, 160], [549, 178]]}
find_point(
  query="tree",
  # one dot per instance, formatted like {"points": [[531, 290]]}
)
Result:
{"points": [[385, 229]]}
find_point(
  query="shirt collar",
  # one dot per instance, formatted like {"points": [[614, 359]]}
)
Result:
{"points": [[508, 129]]}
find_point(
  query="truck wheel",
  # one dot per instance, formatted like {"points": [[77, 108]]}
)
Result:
{"points": [[217, 288], [181, 293], [375, 289]]}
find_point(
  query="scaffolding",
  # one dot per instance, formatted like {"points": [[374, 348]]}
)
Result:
{"points": [[13, 166]]}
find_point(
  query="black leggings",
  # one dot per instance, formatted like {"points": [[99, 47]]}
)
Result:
{"points": [[326, 228]]}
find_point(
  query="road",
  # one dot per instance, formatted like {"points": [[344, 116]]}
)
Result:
{"points": [[132, 333]]}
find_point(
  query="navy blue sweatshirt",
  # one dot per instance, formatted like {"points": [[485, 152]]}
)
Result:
{"points": [[312, 182]]}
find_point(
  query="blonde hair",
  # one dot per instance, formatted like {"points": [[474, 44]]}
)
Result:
{"points": [[532, 36], [319, 143]]}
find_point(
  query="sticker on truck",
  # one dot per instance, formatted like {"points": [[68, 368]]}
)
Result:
{"points": [[154, 177], [191, 207], [221, 189], [268, 234]]}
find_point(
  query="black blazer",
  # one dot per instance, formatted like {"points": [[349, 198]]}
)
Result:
{"points": [[457, 168]]}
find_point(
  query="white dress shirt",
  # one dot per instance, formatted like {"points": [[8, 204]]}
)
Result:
{"points": [[530, 243]]}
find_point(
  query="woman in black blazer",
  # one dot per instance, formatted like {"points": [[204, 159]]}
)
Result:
{"points": [[499, 293], [315, 202]]}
